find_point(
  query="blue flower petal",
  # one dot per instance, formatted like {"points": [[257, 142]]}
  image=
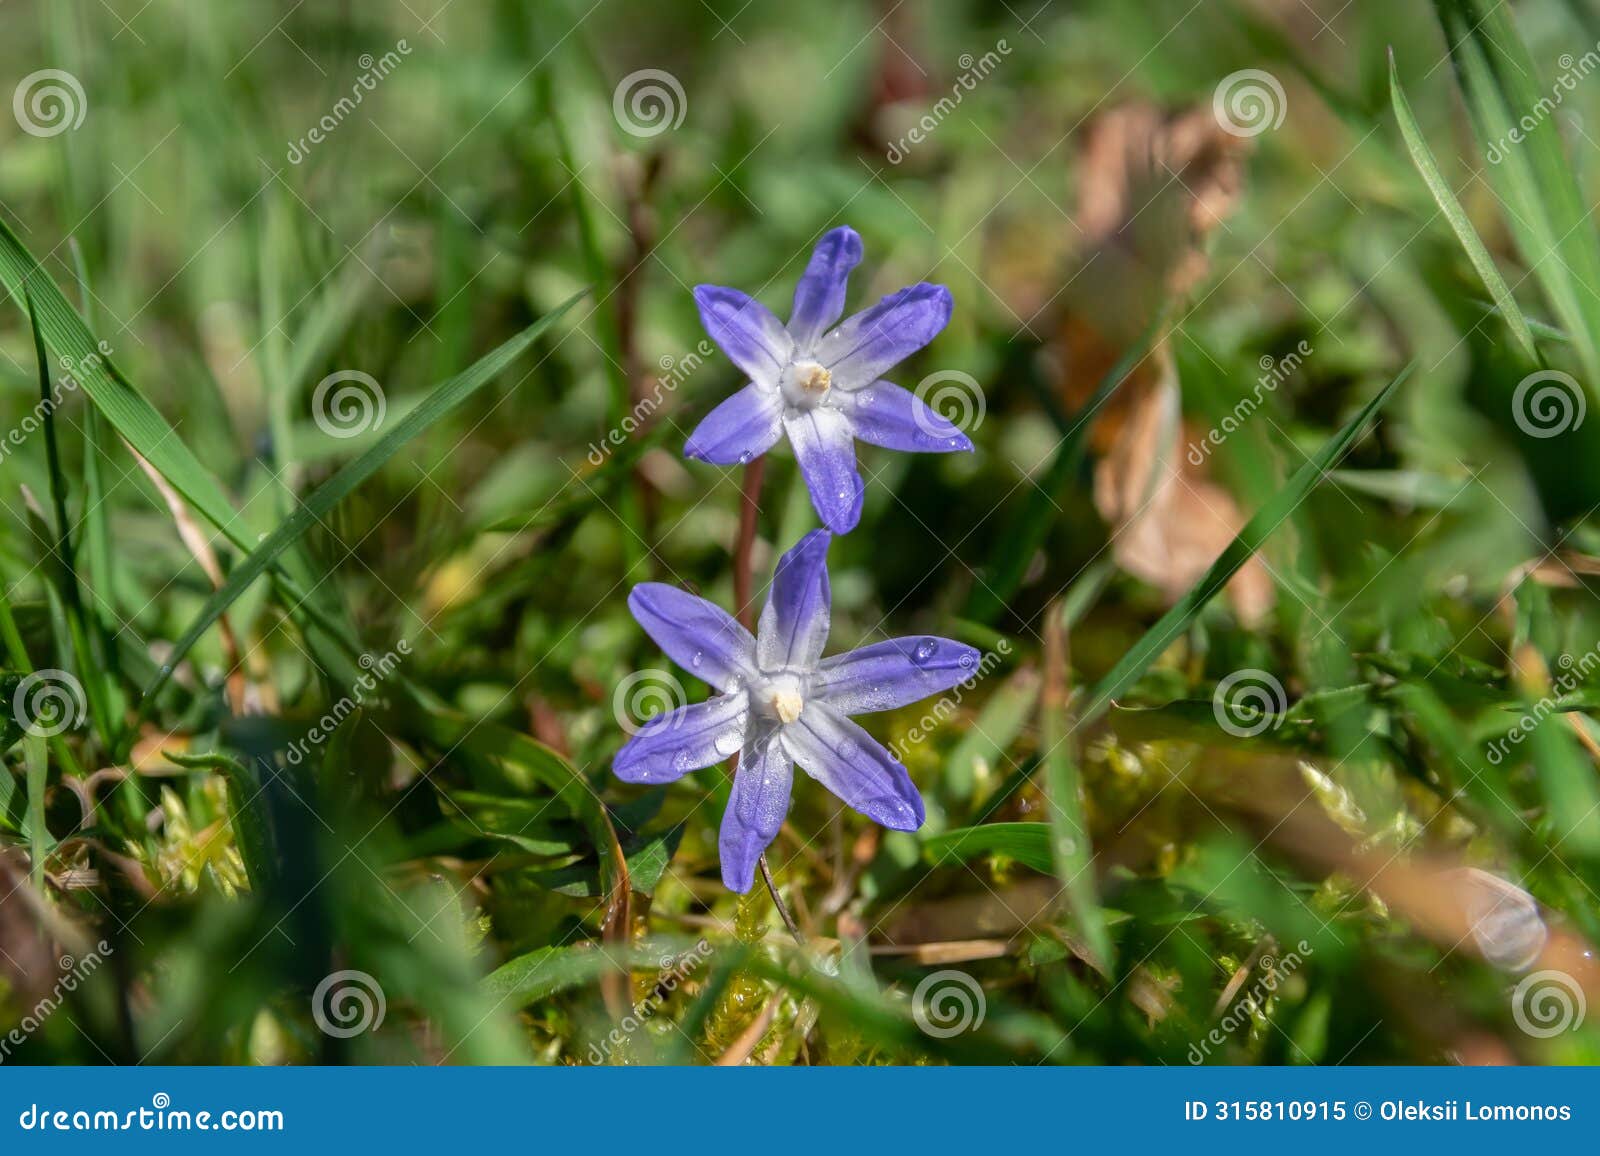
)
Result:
{"points": [[854, 766], [794, 625], [756, 807], [746, 331], [819, 298], [885, 415], [890, 674], [871, 343], [827, 454], [743, 427], [698, 636], [671, 745]]}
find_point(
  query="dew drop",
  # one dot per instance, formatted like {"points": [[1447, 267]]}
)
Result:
{"points": [[744, 457], [848, 748], [699, 657], [924, 651], [727, 743], [680, 761]]}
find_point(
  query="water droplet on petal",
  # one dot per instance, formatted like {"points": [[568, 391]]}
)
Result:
{"points": [[848, 748], [744, 457], [924, 651], [727, 743], [699, 657], [680, 761]]}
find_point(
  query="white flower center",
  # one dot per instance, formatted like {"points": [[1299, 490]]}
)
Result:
{"points": [[805, 383], [782, 697], [787, 705]]}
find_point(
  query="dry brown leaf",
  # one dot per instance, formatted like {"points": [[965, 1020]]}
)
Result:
{"points": [[1153, 186]]}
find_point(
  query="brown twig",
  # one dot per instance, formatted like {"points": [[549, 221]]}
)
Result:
{"points": [[638, 186], [743, 547]]}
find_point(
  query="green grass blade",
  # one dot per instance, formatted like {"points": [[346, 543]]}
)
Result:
{"points": [[1071, 850], [101, 584], [92, 673], [1027, 843], [1545, 208], [1250, 539], [440, 402], [134, 418], [128, 411], [38, 767], [1423, 158]]}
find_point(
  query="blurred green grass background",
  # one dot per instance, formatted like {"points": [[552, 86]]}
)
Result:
{"points": [[1358, 875]]}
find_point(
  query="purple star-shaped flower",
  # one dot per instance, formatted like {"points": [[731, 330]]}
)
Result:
{"points": [[819, 382], [782, 703]]}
